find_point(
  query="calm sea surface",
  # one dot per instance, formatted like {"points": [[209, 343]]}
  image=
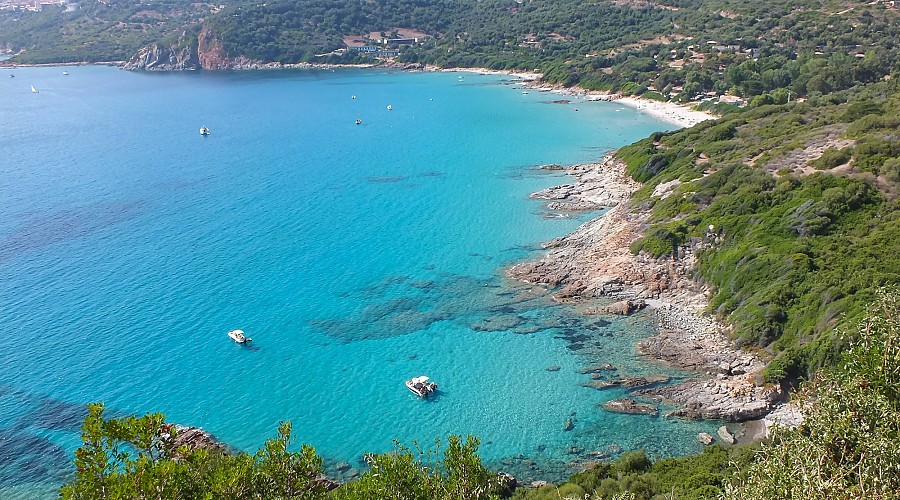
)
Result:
{"points": [[356, 256]]}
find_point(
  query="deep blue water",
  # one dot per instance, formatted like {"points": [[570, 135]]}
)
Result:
{"points": [[356, 256]]}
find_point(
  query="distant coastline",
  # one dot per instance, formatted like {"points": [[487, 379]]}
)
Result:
{"points": [[670, 112]]}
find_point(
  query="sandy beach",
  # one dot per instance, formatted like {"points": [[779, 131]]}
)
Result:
{"points": [[670, 112], [523, 75]]}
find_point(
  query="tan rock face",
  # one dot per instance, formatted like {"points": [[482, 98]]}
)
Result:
{"points": [[210, 52], [595, 260]]}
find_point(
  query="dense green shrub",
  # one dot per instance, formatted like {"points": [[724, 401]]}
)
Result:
{"points": [[847, 445], [831, 158]]}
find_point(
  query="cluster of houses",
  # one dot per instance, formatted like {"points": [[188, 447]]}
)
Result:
{"points": [[33, 5], [381, 44]]}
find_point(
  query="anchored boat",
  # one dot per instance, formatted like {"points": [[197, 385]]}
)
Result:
{"points": [[239, 337], [420, 386]]}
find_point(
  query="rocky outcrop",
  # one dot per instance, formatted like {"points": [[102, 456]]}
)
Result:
{"points": [[725, 435], [705, 438], [157, 57], [729, 388], [599, 185], [596, 261], [735, 399], [629, 382], [619, 308], [208, 52], [630, 406], [194, 438], [204, 52]]}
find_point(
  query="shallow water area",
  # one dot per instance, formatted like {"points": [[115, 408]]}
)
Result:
{"points": [[356, 256]]}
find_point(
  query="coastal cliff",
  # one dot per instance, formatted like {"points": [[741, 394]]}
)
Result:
{"points": [[203, 52], [595, 261], [159, 57]]}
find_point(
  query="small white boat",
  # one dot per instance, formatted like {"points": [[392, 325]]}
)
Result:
{"points": [[33, 90], [12, 75], [204, 131], [420, 386], [358, 121], [524, 91], [238, 336], [354, 97], [66, 73], [390, 107]]}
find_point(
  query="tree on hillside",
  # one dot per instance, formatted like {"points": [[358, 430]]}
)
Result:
{"points": [[141, 457]]}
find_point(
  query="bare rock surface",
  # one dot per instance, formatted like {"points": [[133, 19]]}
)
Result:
{"points": [[630, 406], [596, 261], [629, 382], [725, 435], [619, 308]]}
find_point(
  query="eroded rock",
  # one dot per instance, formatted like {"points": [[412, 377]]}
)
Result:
{"points": [[631, 407]]}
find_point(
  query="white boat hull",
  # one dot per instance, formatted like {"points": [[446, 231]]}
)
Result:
{"points": [[238, 336], [421, 389]]}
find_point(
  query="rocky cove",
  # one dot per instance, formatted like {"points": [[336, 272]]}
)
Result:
{"points": [[595, 262]]}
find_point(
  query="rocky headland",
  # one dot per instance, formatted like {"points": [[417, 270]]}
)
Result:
{"points": [[595, 261]]}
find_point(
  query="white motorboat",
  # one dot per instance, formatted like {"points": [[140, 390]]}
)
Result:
{"points": [[33, 90], [389, 107], [204, 130], [420, 386], [239, 337]]}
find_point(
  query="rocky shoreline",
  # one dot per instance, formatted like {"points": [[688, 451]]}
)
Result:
{"points": [[595, 261]]}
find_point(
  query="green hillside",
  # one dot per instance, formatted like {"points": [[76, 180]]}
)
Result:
{"points": [[791, 197]]}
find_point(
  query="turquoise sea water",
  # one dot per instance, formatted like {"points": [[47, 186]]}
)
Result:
{"points": [[356, 256]]}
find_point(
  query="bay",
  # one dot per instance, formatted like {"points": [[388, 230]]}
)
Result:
{"points": [[356, 256]]}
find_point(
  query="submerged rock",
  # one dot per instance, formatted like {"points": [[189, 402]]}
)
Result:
{"points": [[568, 425], [630, 406], [499, 323], [629, 382], [596, 369]]}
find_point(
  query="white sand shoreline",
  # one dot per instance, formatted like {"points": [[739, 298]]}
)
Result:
{"points": [[670, 112]]}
